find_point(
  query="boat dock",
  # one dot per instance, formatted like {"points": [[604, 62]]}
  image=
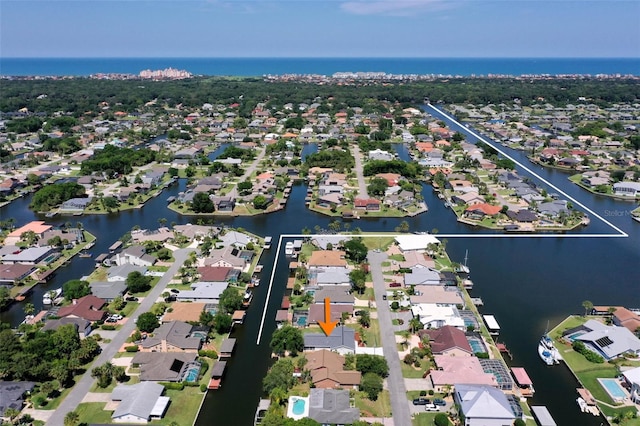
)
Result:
{"points": [[542, 415], [492, 324], [217, 372], [523, 381], [504, 350], [267, 242], [477, 301]]}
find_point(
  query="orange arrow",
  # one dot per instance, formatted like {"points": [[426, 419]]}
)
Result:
{"points": [[327, 325]]}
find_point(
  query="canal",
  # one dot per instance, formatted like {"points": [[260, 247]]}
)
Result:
{"points": [[524, 282]]}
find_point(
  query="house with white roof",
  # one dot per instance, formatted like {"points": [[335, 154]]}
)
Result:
{"points": [[206, 292], [422, 276], [432, 315], [483, 406], [139, 403], [236, 239], [627, 189], [632, 378]]}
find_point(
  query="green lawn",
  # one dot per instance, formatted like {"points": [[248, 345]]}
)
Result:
{"points": [[379, 408], [410, 372], [425, 419], [93, 412]]}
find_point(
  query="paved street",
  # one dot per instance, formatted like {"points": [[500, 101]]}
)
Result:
{"points": [[247, 173], [362, 186], [395, 381], [108, 352]]}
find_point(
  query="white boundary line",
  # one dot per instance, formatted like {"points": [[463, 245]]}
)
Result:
{"points": [[621, 232]]}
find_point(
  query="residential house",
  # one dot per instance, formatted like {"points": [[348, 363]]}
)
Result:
{"points": [[185, 312], [432, 315], [108, 290], [331, 406], [87, 307], [121, 272], [369, 204], [192, 231], [420, 276], [38, 227], [339, 295], [327, 370], [226, 257], [161, 234], [416, 259], [451, 370], [608, 341], [449, 341], [415, 242], [203, 292], [139, 403], [81, 325], [623, 317], [317, 312], [439, 295], [12, 394], [329, 276], [236, 239], [327, 258], [218, 274], [29, 256], [627, 189], [341, 340], [12, 274], [380, 155], [134, 255], [163, 366], [175, 336], [483, 405], [632, 380], [479, 211]]}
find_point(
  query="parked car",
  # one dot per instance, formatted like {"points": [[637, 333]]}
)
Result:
{"points": [[421, 401], [440, 402], [116, 317], [395, 284], [175, 290], [431, 407], [111, 320], [131, 299], [384, 297]]}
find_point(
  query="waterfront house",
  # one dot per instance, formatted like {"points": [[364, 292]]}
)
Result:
{"points": [[483, 405], [623, 317], [108, 290], [368, 204], [218, 274], [380, 155], [451, 370], [29, 256], [341, 340], [339, 295], [432, 315], [420, 276], [163, 366], [175, 336], [161, 234], [416, 259], [226, 257], [316, 312], [627, 189], [204, 292], [185, 312], [447, 340], [134, 255], [479, 211], [121, 272], [609, 341], [331, 406], [87, 307], [192, 231], [323, 258], [138, 403], [415, 242], [329, 276], [11, 274], [440, 295], [632, 380], [236, 239], [327, 370]]}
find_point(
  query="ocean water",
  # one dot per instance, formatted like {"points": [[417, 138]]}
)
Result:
{"points": [[324, 66]]}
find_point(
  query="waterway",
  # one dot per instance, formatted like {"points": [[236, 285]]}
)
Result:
{"points": [[524, 282]]}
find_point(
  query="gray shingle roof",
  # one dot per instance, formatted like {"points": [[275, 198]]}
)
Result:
{"points": [[137, 400], [341, 337], [331, 406]]}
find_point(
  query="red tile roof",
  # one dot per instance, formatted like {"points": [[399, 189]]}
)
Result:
{"points": [[446, 338], [214, 273], [485, 208], [87, 307]]}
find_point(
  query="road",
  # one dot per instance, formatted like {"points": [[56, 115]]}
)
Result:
{"points": [[83, 385], [362, 186], [395, 381], [248, 172]]}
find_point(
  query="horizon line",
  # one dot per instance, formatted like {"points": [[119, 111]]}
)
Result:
{"points": [[322, 57]]}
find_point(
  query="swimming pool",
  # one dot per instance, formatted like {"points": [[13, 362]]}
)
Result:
{"points": [[192, 374], [476, 345], [298, 407], [302, 321], [613, 388]]}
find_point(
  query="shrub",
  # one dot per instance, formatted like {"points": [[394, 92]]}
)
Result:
{"points": [[39, 400], [441, 419], [203, 387], [431, 392], [423, 393], [108, 327], [133, 348], [395, 305], [482, 355], [172, 385]]}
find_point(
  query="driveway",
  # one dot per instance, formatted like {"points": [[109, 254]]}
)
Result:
{"points": [[395, 381], [362, 187], [84, 383]]}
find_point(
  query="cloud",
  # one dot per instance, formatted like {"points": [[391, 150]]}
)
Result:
{"points": [[392, 7]]}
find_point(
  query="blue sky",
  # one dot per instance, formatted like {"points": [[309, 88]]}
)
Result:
{"points": [[314, 28]]}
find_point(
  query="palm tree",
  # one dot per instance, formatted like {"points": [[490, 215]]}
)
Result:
{"points": [[588, 307], [71, 418], [29, 309]]}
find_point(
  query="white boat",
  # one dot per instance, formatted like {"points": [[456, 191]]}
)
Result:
{"points": [[548, 353], [583, 405], [288, 249], [50, 296]]}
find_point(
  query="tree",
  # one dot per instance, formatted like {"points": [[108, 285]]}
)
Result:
{"points": [[201, 203], [377, 186], [104, 374], [588, 307], [287, 339], [230, 300], [261, 202], [358, 280], [279, 376], [364, 318], [29, 308], [137, 282], [75, 289], [441, 419], [12, 413], [164, 254], [71, 418], [377, 364], [517, 422], [371, 384], [147, 322], [222, 322], [355, 250]]}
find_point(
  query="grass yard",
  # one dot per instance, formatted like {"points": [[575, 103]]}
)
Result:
{"points": [[379, 408], [425, 419], [93, 412], [410, 372]]}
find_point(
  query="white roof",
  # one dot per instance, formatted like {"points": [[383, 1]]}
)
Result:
{"points": [[491, 322], [632, 375], [415, 242]]}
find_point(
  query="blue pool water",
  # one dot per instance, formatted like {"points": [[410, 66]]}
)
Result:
{"points": [[192, 375], [302, 321], [477, 346], [298, 407], [613, 388]]}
